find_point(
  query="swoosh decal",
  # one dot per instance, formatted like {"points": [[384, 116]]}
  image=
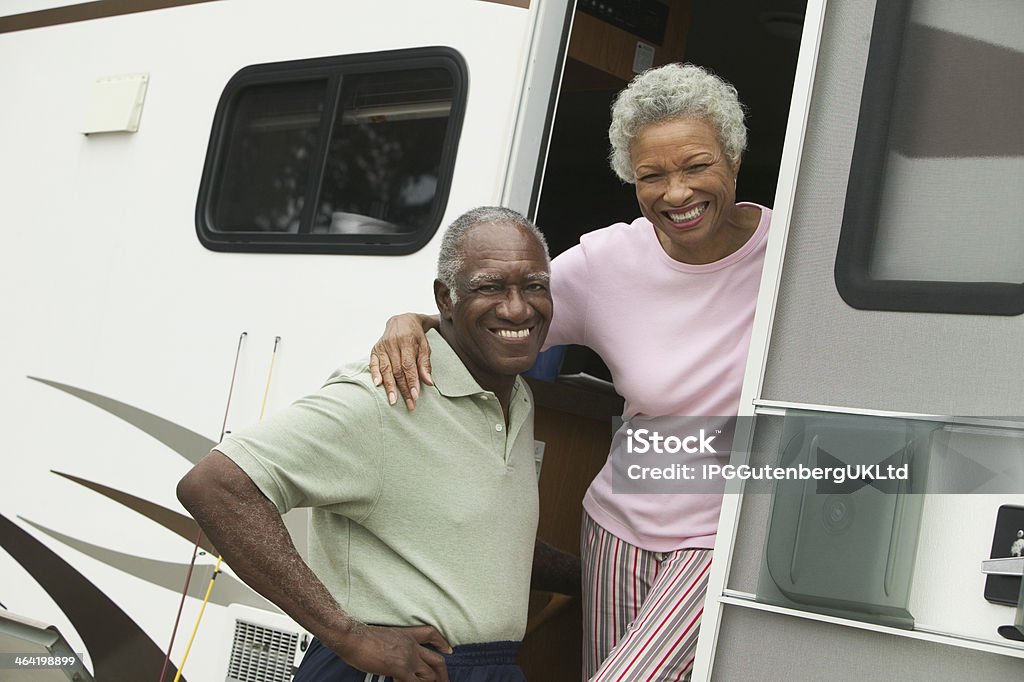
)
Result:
{"points": [[119, 648], [179, 524], [165, 573], [189, 444]]}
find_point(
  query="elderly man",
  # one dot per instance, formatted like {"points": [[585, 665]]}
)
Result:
{"points": [[423, 523]]}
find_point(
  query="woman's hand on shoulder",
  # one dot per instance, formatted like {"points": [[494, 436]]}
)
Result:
{"points": [[401, 357]]}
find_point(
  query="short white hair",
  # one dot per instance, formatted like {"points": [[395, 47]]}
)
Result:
{"points": [[451, 259], [675, 91]]}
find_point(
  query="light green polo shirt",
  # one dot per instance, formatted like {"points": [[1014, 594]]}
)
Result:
{"points": [[426, 517]]}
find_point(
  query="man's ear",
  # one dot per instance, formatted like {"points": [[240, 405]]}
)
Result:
{"points": [[443, 298]]}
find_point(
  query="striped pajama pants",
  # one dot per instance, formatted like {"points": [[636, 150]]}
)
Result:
{"points": [[641, 609]]}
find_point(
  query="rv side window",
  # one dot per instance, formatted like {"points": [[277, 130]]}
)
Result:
{"points": [[932, 216], [346, 154]]}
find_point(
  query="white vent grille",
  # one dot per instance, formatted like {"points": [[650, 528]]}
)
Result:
{"points": [[261, 654]]}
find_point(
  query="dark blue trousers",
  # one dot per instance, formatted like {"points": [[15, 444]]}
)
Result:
{"points": [[488, 662]]}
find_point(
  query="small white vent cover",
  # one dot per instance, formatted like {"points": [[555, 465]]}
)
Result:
{"points": [[261, 654]]}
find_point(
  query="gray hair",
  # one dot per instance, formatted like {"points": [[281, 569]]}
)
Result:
{"points": [[671, 92], [451, 259]]}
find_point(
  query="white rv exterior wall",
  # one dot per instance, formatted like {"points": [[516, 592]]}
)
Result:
{"points": [[107, 288]]}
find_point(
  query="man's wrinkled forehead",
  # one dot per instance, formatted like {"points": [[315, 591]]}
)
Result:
{"points": [[470, 242]]}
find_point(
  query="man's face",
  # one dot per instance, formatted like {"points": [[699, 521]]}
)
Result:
{"points": [[503, 308]]}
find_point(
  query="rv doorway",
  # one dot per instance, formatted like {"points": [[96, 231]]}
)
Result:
{"points": [[579, 192]]}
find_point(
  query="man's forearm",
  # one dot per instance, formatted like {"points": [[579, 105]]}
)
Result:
{"points": [[247, 530]]}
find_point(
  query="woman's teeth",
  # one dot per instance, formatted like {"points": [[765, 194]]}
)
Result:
{"points": [[689, 215]]}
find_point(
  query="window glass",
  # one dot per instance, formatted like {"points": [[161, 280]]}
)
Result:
{"points": [[267, 158], [384, 156], [937, 182], [348, 154]]}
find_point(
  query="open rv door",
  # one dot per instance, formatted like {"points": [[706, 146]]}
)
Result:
{"points": [[888, 333], [196, 232]]}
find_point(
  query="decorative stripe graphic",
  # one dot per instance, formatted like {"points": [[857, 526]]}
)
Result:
{"points": [[525, 4], [83, 11], [165, 573], [186, 443], [179, 524], [119, 649]]}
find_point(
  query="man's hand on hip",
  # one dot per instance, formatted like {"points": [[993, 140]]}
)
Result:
{"points": [[396, 652]]}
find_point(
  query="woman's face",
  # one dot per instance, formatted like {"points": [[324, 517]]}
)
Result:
{"points": [[686, 187]]}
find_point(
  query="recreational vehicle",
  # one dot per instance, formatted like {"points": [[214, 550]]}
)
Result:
{"points": [[208, 205]]}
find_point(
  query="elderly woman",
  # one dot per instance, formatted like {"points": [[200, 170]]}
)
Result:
{"points": [[668, 302]]}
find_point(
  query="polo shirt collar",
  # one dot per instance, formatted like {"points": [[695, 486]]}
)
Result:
{"points": [[451, 378]]}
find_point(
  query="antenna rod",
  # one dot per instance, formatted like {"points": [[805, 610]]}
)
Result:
{"points": [[199, 532]]}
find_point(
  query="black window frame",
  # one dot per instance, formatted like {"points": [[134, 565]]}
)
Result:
{"points": [[334, 69], [864, 195]]}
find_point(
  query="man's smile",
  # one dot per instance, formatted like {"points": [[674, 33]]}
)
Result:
{"points": [[513, 334]]}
